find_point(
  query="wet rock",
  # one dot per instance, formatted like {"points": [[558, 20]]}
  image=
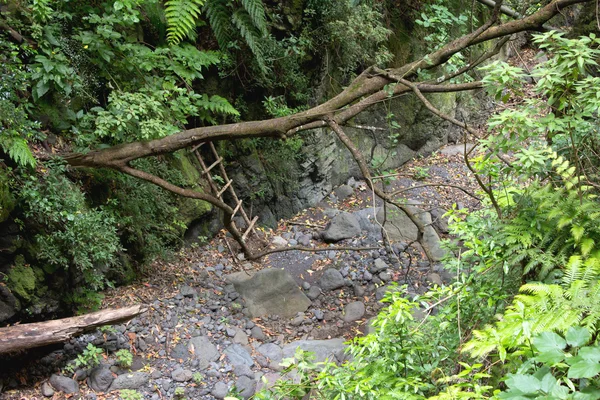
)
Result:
{"points": [[130, 381], [203, 350], [100, 379], [63, 384], [354, 311], [270, 292], [342, 226], [331, 279]]}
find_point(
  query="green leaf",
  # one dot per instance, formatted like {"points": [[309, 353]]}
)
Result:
{"points": [[578, 336], [41, 89], [526, 384], [584, 369], [590, 353], [549, 341]]}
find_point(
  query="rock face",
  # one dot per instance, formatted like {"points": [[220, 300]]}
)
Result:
{"points": [[342, 226], [332, 349], [270, 292]]}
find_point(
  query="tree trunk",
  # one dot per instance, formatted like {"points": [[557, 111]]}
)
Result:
{"points": [[26, 336]]}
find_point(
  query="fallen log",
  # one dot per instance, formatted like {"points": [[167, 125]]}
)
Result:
{"points": [[26, 336]]}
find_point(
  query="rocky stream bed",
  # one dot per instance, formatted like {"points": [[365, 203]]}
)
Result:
{"points": [[218, 325]]}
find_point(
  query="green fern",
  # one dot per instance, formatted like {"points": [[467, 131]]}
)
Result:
{"points": [[242, 20], [219, 17], [256, 11], [181, 16], [18, 150]]}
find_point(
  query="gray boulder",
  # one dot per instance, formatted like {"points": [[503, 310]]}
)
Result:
{"points": [[270, 292], [331, 279], [313, 292], [203, 350], [181, 375], [342, 226], [378, 266], [354, 311], [64, 384], [332, 349], [130, 381], [47, 390], [100, 379], [8, 304]]}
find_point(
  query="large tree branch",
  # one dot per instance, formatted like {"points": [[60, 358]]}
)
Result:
{"points": [[366, 84]]}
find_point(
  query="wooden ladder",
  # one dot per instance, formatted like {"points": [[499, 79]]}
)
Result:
{"points": [[227, 186]]}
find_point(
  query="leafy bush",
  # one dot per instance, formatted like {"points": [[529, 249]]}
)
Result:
{"points": [[89, 358], [124, 358]]}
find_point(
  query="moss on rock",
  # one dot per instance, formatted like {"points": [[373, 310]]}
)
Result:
{"points": [[22, 280]]}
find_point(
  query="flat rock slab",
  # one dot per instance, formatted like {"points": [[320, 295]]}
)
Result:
{"points": [[270, 292], [331, 349], [130, 381], [238, 355]]}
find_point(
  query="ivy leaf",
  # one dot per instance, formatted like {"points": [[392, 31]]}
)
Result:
{"points": [[584, 369], [578, 336]]}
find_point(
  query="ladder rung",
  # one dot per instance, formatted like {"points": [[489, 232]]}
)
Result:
{"points": [[196, 147], [224, 188], [207, 170], [236, 209], [249, 228]]}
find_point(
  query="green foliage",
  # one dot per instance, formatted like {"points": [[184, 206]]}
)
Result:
{"points": [[181, 18], [124, 358], [22, 279], [89, 358], [130, 394], [68, 238]]}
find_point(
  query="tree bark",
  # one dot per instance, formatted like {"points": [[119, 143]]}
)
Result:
{"points": [[26, 336]]}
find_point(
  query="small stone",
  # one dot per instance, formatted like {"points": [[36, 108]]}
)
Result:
{"points": [[313, 292], [220, 390], [100, 379], [379, 266], [181, 375], [240, 337], [231, 332], [279, 241], [47, 390], [272, 351], [243, 370], [319, 315], [343, 191], [257, 333], [367, 276], [188, 291], [359, 291], [435, 279], [354, 311], [238, 355], [130, 381], [305, 285], [298, 320], [385, 277]]}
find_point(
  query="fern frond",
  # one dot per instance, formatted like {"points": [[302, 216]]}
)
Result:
{"points": [[181, 16], [256, 11], [219, 18], [18, 150], [241, 19]]}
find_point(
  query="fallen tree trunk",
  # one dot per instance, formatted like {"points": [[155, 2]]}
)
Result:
{"points": [[26, 336]]}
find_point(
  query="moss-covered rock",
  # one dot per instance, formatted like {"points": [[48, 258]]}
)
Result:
{"points": [[22, 280], [7, 201], [190, 209]]}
